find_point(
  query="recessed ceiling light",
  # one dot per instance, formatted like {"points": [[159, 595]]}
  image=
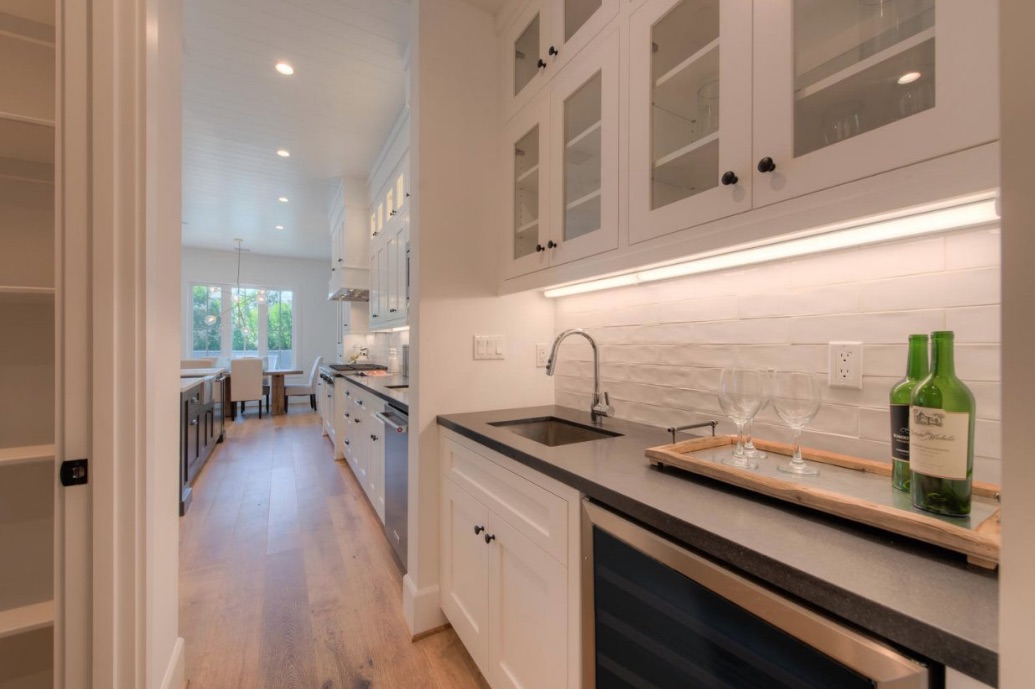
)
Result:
{"points": [[285, 68], [282, 199], [279, 227], [283, 153], [909, 77]]}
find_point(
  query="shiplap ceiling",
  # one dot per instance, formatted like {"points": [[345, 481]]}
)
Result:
{"points": [[333, 114]]}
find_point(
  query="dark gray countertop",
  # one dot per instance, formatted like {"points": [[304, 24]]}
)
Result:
{"points": [[921, 597], [400, 399]]}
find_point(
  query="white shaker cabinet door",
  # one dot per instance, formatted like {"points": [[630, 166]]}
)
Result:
{"points": [[528, 604], [847, 89], [464, 569]]}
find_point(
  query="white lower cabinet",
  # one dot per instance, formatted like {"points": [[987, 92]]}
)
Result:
{"points": [[363, 444], [509, 568]]}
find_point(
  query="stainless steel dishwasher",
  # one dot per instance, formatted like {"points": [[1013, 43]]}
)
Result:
{"points": [[397, 434]]}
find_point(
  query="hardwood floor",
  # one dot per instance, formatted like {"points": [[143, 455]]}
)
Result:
{"points": [[286, 579]]}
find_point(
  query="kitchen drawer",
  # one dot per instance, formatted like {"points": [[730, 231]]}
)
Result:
{"points": [[538, 514]]}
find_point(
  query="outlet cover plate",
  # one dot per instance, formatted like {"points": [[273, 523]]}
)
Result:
{"points": [[845, 367], [542, 354]]}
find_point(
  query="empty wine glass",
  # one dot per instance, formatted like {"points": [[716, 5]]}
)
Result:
{"points": [[796, 398], [741, 392], [767, 389]]}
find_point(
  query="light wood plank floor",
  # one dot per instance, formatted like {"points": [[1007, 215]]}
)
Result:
{"points": [[286, 579]]}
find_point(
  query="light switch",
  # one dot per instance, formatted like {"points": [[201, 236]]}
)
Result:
{"points": [[489, 347]]}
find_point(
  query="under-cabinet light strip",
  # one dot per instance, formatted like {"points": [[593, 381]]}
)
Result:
{"points": [[969, 214]]}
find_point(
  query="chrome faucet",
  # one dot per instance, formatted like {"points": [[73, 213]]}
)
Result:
{"points": [[601, 402]]}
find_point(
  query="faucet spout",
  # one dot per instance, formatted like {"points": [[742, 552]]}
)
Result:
{"points": [[601, 405]]}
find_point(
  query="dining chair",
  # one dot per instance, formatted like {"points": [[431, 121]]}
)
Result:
{"points": [[245, 383], [308, 389], [209, 362]]}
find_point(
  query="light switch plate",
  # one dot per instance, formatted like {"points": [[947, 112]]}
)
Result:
{"points": [[489, 347]]}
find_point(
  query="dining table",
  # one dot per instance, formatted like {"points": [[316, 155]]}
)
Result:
{"points": [[277, 406]]}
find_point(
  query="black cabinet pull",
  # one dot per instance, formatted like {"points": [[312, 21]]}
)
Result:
{"points": [[339, 260], [374, 316], [478, 529], [766, 165], [347, 415], [489, 538], [392, 310], [542, 63], [554, 51], [359, 402], [357, 420], [539, 247], [552, 244], [729, 177]]}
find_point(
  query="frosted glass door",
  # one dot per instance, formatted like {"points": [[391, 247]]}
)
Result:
{"points": [[850, 88], [690, 126]]}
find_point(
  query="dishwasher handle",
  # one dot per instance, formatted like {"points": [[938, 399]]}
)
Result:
{"points": [[395, 422]]}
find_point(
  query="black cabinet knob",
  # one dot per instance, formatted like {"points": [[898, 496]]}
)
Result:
{"points": [[478, 529], [766, 165], [541, 63], [552, 244], [359, 402], [489, 538], [554, 51], [392, 310], [729, 177], [539, 247], [347, 415], [347, 442]]}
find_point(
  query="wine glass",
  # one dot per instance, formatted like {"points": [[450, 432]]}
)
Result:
{"points": [[741, 392], [767, 389], [796, 398]]}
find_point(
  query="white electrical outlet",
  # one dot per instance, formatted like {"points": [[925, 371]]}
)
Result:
{"points": [[542, 355], [845, 369]]}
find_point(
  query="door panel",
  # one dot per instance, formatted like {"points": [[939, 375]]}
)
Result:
{"points": [[465, 566]]}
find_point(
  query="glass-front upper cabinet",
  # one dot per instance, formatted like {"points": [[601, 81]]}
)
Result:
{"points": [[845, 89], [543, 38], [584, 122], [690, 114], [526, 220]]}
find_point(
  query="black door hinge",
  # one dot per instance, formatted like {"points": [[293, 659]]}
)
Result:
{"points": [[74, 472]]}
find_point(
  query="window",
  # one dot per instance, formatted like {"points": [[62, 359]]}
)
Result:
{"points": [[252, 321]]}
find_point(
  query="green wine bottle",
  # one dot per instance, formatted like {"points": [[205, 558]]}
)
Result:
{"points": [[901, 396], [941, 435]]}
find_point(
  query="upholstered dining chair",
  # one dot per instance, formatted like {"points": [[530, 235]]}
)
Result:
{"points": [[308, 389], [198, 363], [245, 383]]}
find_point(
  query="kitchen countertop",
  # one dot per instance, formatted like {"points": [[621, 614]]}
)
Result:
{"points": [[201, 372], [921, 597], [400, 399], [186, 383]]}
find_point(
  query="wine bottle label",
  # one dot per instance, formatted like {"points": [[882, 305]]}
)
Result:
{"points": [[900, 432], [938, 442]]}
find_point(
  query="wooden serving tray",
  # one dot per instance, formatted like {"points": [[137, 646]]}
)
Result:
{"points": [[849, 487]]}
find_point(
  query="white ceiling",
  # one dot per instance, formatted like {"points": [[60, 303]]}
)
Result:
{"points": [[333, 115]]}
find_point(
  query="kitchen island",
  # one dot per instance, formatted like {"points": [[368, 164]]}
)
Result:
{"points": [[201, 424], [918, 597]]}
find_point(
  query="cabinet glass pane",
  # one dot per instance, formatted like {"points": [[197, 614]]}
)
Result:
{"points": [[859, 65], [582, 162], [526, 193], [685, 102], [400, 190], [576, 13], [526, 56]]}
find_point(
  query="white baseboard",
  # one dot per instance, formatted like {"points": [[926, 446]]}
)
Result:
{"points": [[422, 608], [176, 672]]}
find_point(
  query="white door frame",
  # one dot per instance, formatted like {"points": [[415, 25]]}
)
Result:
{"points": [[118, 200]]}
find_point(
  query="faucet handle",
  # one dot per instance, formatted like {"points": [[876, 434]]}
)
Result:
{"points": [[602, 405]]}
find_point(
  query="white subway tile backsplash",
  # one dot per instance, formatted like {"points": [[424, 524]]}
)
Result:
{"points": [[883, 328], [972, 250], [972, 325], [663, 345], [833, 299], [960, 288]]}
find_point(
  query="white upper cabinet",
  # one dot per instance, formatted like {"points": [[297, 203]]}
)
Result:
{"points": [[846, 89], [690, 114], [543, 38], [562, 167]]}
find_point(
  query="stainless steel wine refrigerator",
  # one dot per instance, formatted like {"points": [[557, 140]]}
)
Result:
{"points": [[662, 616]]}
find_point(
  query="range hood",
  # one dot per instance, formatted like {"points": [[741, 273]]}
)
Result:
{"points": [[349, 284]]}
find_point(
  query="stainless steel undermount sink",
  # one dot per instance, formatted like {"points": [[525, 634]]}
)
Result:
{"points": [[551, 431], [398, 387]]}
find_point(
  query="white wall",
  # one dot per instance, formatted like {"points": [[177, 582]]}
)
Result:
{"points": [[454, 161], [1017, 594], [664, 344], [314, 315]]}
